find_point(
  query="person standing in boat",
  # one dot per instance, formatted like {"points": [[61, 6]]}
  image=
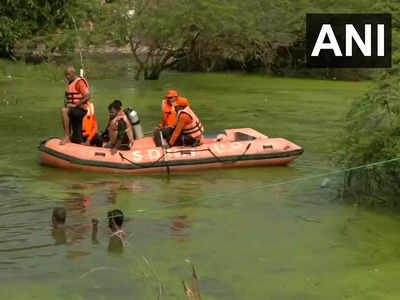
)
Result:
{"points": [[77, 96], [119, 131], [166, 127], [188, 130]]}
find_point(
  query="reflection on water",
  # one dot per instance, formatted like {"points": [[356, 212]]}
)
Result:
{"points": [[178, 226], [229, 228], [252, 233], [59, 235]]}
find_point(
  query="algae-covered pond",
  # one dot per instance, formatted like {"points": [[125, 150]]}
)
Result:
{"points": [[254, 233]]}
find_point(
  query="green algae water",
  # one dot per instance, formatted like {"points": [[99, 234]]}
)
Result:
{"points": [[252, 233]]}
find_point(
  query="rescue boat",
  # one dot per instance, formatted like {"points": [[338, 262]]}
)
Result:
{"points": [[243, 147]]}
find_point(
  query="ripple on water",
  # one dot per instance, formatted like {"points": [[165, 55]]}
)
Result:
{"points": [[24, 217]]}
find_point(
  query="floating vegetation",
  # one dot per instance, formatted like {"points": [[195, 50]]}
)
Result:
{"points": [[192, 292], [6, 99]]}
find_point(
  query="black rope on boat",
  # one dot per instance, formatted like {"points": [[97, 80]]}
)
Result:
{"points": [[164, 152], [212, 153], [215, 156], [141, 165], [234, 160], [185, 152], [244, 153], [200, 150]]}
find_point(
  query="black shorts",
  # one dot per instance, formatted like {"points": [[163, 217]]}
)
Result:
{"points": [[182, 140], [76, 115]]}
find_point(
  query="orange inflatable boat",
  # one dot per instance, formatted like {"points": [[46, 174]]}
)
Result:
{"points": [[225, 149]]}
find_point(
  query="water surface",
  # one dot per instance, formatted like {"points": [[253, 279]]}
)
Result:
{"points": [[253, 233]]}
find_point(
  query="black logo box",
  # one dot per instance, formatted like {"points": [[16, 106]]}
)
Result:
{"points": [[327, 58]]}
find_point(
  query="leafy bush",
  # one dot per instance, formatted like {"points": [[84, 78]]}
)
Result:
{"points": [[372, 134]]}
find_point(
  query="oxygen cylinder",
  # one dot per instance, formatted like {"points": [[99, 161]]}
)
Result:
{"points": [[135, 122]]}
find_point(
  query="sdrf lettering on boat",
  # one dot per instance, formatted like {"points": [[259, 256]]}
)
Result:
{"points": [[181, 154], [137, 155], [153, 154], [187, 153]]}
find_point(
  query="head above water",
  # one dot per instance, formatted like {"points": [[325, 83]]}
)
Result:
{"points": [[172, 95], [114, 108], [115, 219], [59, 216], [70, 73]]}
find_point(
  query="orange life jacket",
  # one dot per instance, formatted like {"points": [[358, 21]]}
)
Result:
{"points": [[72, 94], [168, 114], [89, 122], [113, 128], [195, 128]]}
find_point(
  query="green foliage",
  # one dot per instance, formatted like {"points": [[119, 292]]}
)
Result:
{"points": [[372, 134], [22, 18], [159, 33], [201, 33], [188, 35], [209, 35], [35, 22]]}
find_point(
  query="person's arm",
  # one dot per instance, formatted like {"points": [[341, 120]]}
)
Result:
{"points": [[183, 120], [85, 98], [120, 136]]}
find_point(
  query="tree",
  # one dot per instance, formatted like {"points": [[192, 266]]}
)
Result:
{"points": [[160, 33], [372, 134], [35, 21]]}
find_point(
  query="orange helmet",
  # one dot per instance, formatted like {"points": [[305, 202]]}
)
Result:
{"points": [[181, 102], [172, 93]]}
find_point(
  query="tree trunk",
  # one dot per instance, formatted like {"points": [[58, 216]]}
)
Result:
{"points": [[138, 73], [153, 74]]}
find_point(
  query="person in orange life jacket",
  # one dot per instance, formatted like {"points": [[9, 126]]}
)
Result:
{"points": [[90, 127], [77, 95], [168, 117], [168, 110], [188, 130], [119, 130]]}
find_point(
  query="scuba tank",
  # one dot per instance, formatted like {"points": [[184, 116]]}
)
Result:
{"points": [[135, 122]]}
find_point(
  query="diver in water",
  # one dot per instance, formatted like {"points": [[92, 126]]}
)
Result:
{"points": [[118, 237], [58, 231]]}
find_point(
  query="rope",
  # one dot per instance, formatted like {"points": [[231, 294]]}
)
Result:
{"points": [[141, 165], [163, 142], [79, 45], [325, 174], [302, 179]]}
